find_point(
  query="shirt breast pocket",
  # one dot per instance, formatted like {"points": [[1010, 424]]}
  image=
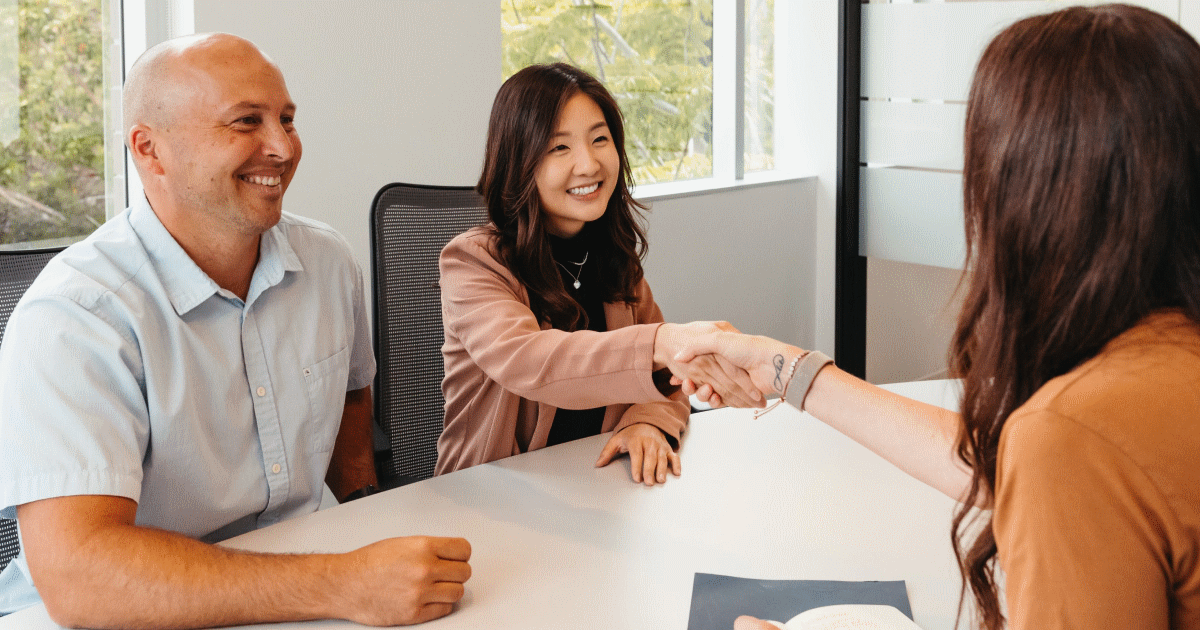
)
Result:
{"points": [[325, 383]]}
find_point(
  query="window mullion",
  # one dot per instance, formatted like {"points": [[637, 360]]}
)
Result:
{"points": [[146, 23], [729, 100]]}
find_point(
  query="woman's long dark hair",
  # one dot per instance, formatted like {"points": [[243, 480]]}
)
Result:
{"points": [[1081, 188], [522, 123]]}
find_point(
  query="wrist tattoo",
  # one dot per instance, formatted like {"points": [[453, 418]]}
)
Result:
{"points": [[779, 362]]}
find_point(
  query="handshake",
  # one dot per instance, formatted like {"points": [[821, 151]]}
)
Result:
{"points": [[721, 366]]}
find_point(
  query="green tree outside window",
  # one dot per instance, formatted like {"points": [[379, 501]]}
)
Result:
{"points": [[52, 167], [655, 56]]}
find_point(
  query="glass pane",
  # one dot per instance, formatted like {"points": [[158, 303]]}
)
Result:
{"points": [[654, 56], [913, 216], [760, 86], [52, 175]]}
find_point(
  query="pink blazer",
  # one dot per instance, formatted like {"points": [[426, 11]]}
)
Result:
{"points": [[506, 375]]}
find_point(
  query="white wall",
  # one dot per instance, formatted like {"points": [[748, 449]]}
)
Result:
{"points": [[740, 255], [911, 312], [400, 91], [385, 91], [814, 28]]}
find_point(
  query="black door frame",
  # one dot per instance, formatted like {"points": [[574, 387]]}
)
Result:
{"points": [[850, 276]]}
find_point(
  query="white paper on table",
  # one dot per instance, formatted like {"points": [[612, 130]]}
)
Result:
{"points": [[850, 617]]}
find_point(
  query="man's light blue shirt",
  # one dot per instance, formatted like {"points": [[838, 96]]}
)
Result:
{"points": [[126, 371]]}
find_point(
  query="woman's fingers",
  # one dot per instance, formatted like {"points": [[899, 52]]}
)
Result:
{"points": [[740, 377], [707, 369], [611, 449], [650, 462], [746, 622], [651, 457], [635, 460]]}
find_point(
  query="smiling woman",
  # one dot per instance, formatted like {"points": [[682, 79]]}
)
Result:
{"points": [[577, 176], [524, 297], [552, 333]]}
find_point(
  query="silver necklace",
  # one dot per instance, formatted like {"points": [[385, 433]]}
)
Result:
{"points": [[578, 272]]}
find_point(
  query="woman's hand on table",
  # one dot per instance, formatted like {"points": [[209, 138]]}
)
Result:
{"points": [[731, 384], [765, 360], [650, 455]]}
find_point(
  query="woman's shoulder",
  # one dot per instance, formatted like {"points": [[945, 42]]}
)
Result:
{"points": [[478, 236], [1139, 397], [472, 253], [1150, 366], [477, 242]]}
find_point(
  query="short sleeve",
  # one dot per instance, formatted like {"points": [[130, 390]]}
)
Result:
{"points": [[362, 353], [74, 416], [1079, 529]]}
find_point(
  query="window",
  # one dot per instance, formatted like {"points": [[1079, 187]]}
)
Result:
{"points": [[62, 158], [57, 175], [760, 86], [661, 60]]}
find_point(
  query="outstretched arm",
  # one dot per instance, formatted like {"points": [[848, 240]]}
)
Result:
{"points": [[917, 437], [484, 308], [95, 568]]}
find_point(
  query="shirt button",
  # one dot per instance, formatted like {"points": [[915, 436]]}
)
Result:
{"points": [[275, 469], [262, 391]]}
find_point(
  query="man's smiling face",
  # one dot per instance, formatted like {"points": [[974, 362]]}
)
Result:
{"points": [[231, 147]]}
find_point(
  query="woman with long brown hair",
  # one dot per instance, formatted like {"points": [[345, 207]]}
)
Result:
{"points": [[1078, 344], [552, 333]]}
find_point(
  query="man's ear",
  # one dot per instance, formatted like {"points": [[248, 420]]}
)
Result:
{"points": [[143, 146]]}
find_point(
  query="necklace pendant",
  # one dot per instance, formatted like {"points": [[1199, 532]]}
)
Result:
{"points": [[576, 284]]}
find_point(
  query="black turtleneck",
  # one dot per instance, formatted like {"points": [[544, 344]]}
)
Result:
{"points": [[572, 424]]}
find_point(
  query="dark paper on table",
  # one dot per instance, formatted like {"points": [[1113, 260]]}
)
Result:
{"points": [[719, 599]]}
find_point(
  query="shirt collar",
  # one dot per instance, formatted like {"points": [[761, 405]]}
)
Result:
{"points": [[186, 285], [275, 258]]}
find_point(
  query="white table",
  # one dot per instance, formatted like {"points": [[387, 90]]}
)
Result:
{"points": [[560, 544]]}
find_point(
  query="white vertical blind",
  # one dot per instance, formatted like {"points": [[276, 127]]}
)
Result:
{"points": [[917, 62]]}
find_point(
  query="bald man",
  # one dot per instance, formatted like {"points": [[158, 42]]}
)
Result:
{"points": [[196, 369]]}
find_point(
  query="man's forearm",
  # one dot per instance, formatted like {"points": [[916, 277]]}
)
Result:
{"points": [[127, 576], [352, 465], [95, 568]]}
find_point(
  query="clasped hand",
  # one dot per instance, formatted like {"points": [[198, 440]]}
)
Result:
{"points": [[755, 365], [723, 382]]}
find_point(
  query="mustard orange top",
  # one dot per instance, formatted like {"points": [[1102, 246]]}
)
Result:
{"points": [[1097, 507]]}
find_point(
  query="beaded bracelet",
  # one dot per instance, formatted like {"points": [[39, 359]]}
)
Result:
{"points": [[813, 362]]}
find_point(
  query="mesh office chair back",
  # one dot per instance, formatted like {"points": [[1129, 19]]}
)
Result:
{"points": [[18, 268], [410, 224]]}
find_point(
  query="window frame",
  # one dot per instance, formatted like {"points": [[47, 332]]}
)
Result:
{"points": [[729, 119], [144, 23]]}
